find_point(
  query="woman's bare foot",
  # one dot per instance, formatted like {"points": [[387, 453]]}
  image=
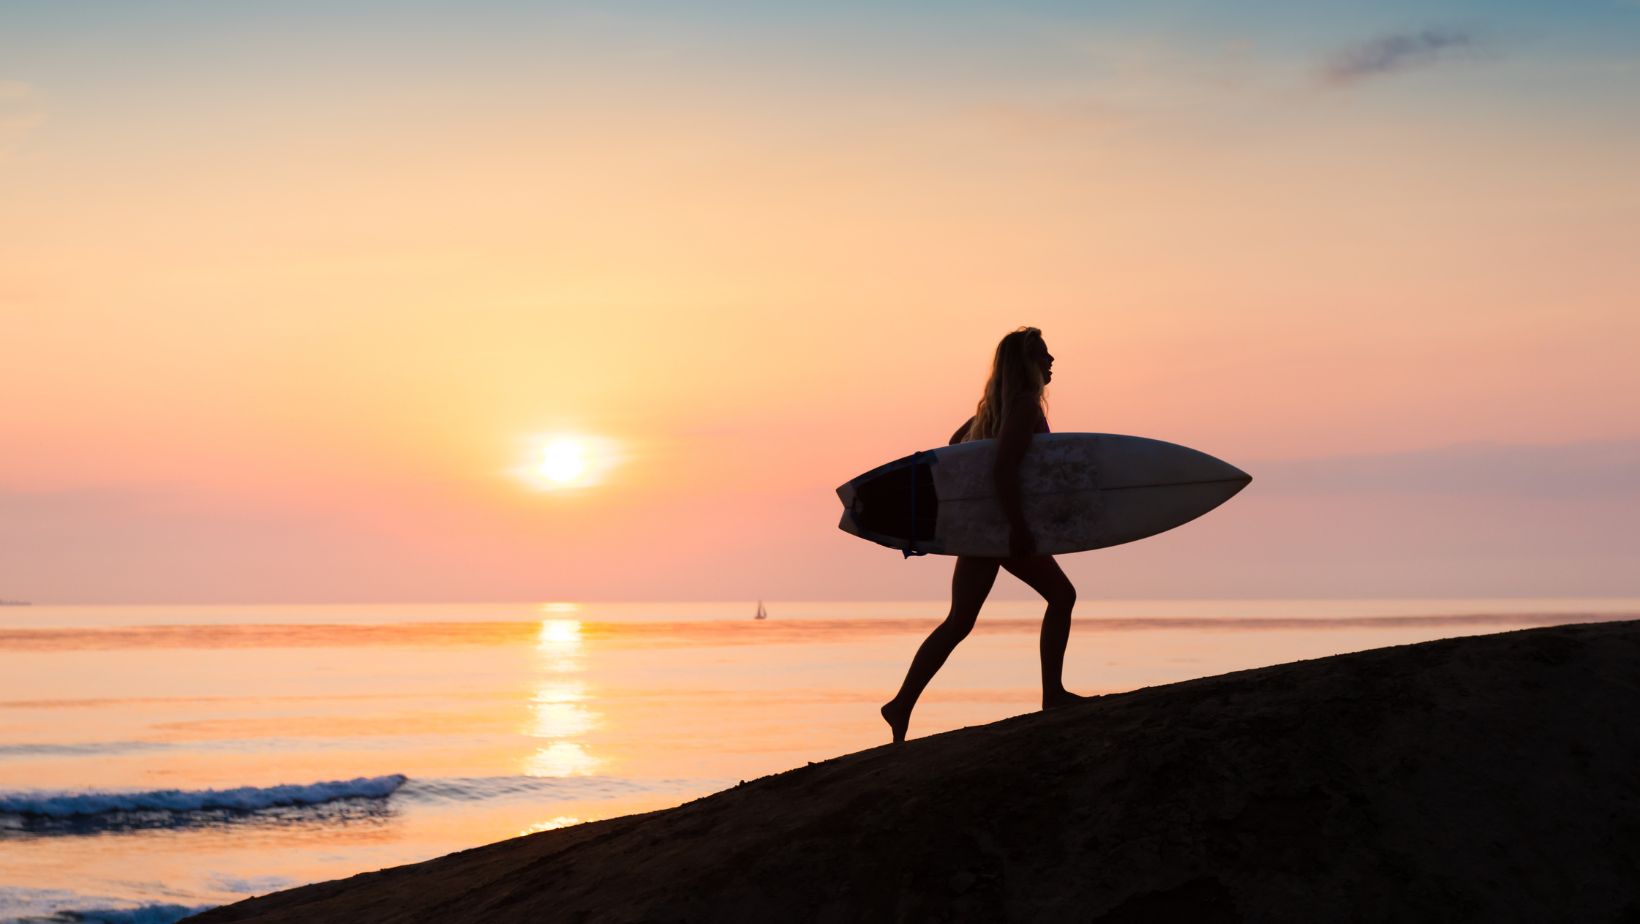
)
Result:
{"points": [[898, 720], [1062, 698]]}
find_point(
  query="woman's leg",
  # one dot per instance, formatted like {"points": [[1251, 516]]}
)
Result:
{"points": [[1044, 576], [971, 582]]}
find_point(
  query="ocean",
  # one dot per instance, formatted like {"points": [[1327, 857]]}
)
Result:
{"points": [[157, 760]]}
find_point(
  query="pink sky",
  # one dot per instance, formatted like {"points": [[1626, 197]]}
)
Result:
{"points": [[281, 336]]}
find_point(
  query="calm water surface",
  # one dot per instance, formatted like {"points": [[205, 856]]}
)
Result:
{"points": [[155, 760]]}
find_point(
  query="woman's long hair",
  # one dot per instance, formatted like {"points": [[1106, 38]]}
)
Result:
{"points": [[1015, 378]]}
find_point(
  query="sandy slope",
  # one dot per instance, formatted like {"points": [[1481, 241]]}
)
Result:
{"points": [[1494, 778]]}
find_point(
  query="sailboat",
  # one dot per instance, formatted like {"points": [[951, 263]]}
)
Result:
{"points": [[761, 612]]}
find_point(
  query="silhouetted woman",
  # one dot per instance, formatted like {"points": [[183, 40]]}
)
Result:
{"points": [[1011, 412]]}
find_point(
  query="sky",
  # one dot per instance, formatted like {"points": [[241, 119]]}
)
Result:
{"points": [[290, 292]]}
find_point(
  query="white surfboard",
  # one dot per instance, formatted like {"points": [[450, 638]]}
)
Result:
{"points": [[1079, 491]]}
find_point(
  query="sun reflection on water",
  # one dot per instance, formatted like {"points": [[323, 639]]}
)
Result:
{"points": [[560, 641], [560, 636], [557, 710], [559, 759]]}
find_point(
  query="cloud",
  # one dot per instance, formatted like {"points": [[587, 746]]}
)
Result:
{"points": [[1570, 470], [1390, 53]]}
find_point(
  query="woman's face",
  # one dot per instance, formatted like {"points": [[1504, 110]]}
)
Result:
{"points": [[1043, 359]]}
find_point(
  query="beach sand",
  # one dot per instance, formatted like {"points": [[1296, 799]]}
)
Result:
{"points": [[1485, 778]]}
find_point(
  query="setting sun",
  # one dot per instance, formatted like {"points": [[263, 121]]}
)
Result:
{"points": [[566, 461]]}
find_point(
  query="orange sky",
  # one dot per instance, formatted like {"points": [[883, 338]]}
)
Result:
{"points": [[278, 317]]}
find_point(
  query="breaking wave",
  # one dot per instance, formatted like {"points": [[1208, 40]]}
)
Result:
{"points": [[242, 799], [143, 914]]}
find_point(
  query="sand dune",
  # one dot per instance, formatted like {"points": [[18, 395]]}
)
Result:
{"points": [[1493, 778]]}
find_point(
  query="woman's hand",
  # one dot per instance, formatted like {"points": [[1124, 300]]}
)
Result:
{"points": [[1021, 544]]}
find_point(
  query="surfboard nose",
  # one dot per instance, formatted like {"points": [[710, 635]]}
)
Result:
{"points": [[1138, 461], [1204, 467], [1233, 478]]}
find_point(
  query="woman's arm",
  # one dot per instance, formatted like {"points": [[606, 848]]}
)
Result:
{"points": [[1018, 424]]}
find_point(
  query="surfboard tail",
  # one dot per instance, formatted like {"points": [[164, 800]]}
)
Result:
{"points": [[894, 505], [848, 524]]}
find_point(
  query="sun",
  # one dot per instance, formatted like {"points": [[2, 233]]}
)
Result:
{"points": [[564, 460], [567, 461]]}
